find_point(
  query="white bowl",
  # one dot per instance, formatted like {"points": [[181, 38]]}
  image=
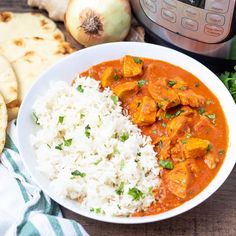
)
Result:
{"points": [[69, 67]]}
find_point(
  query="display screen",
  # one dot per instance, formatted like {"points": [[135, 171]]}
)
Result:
{"points": [[196, 3]]}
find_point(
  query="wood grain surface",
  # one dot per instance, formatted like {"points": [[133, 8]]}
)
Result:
{"points": [[215, 217]]}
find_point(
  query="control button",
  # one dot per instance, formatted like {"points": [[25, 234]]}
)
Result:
{"points": [[195, 3], [191, 12], [215, 19], [190, 24], [171, 3], [213, 30], [150, 5], [168, 15], [220, 6]]}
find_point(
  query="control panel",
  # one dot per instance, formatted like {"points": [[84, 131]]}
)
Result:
{"points": [[208, 21]]}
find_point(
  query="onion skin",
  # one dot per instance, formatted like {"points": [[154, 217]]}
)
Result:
{"points": [[92, 22]]}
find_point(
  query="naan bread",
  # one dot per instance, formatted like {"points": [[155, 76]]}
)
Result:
{"points": [[21, 25], [12, 113], [3, 122], [8, 81], [35, 59], [19, 47]]}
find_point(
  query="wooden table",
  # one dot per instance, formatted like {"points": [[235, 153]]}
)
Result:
{"points": [[216, 216]]}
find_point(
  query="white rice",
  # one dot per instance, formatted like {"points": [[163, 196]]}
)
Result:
{"points": [[93, 166]]}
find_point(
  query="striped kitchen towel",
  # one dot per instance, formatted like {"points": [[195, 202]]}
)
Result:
{"points": [[24, 208]]}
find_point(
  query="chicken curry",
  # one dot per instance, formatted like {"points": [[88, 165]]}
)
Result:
{"points": [[181, 115]]}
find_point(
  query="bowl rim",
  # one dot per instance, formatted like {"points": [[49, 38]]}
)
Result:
{"points": [[213, 186]]}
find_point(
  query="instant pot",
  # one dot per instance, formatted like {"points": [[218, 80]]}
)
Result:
{"points": [[205, 29]]}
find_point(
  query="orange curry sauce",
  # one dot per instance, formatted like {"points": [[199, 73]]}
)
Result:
{"points": [[181, 115]]}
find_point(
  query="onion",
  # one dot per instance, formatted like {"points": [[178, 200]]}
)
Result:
{"points": [[92, 22]]}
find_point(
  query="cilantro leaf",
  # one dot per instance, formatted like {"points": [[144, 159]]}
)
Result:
{"points": [[141, 83], [135, 193], [137, 60], [78, 173], [120, 189], [124, 137], [167, 164]]}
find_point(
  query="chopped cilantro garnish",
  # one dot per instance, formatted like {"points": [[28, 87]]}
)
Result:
{"points": [[82, 116], [197, 84], [141, 83], [160, 144], [167, 164], [221, 152], [124, 137], [116, 151], [78, 173], [135, 193], [209, 147], [177, 113], [170, 116], [171, 83], [208, 102], [80, 89], [150, 189], [154, 131], [201, 110], [59, 146], [98, 210], [60, 119], [115, 99], [97, 161], [67, 142], [212, 116], [87, 131], [138, 104], [122, 164], [36, 119], [120, 189], [137, 60], [189, 135], [163, 124], [139, 154], [183, 141], [183, 88], [116, 77]]}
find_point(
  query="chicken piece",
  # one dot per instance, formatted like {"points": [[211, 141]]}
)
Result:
{"points": [[163, 147], [145, 111], [163, 96], [158, 88], [190, 98], [195, 147], [177, 180], [133, 66], [187, 111], [190, 148], [193, 167], [204, 127], [177, 153], [126, 89], [186, 95], [161, 114], [178, 126], [107, 77], [211, 160]]}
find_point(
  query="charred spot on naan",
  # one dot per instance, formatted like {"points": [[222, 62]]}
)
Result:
{"points": [[5, 16]]}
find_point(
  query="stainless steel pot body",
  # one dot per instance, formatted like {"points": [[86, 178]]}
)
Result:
{"points": [[205, 27]]}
